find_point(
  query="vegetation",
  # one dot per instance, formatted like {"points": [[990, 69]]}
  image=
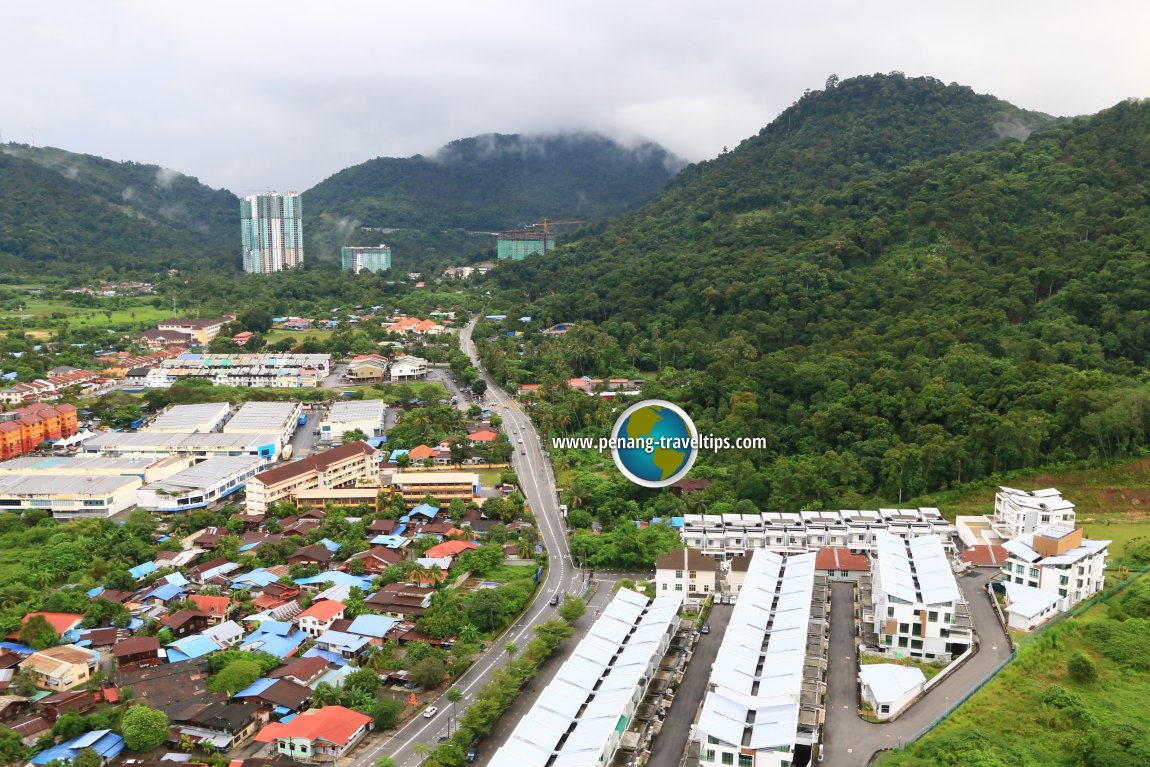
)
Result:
{"points": [[486, 183], [144, 728], [1072, 697]]}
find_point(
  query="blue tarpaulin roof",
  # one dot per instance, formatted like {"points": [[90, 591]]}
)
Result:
{"points": [[333, 657], [329, 544], [104, 742], [336, 577], [258, 577], [255, 688], [371, 625], [164, 593], [425, 509], [190, 648]]}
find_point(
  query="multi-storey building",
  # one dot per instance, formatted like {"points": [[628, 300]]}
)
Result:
{"points": [[518, 244], [272, 232], [1057, 560], [343, 466], [199, 332], [581, 717], [443, 485], [764, 704], [686, 573], [725, 536], [915, 607], [23, 430], [377, 259], [280, 371], [1019, 511]]}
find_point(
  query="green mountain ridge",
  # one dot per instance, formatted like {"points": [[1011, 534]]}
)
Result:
{"points": [[963, 305]]}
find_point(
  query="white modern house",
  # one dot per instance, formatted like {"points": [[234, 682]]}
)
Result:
{"points": [[1021, 511], [1057, 560], [1027, 607], [686, 573], [408, 368], [916, 608]]}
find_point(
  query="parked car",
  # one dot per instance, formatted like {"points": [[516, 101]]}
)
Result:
{"points": [[430, 711], [706, 630], [472, 755]]}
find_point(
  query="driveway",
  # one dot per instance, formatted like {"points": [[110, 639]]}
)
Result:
{"points": [[851, 742], [671, 742]]}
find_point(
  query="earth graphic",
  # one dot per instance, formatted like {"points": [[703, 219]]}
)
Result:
{"points": [[653, 419]]}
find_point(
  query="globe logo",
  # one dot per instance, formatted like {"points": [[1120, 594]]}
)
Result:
{"points": [[654, 443]]}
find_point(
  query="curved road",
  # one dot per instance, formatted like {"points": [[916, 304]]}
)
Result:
{"points": [[537, 481]]}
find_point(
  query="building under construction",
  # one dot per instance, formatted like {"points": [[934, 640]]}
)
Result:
{"points": [[518, 244]]}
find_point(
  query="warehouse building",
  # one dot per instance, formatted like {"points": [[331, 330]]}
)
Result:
{"points": [[69, 497], [199, 485], [365, 415], [213, 445], [266, 417], [190, 419], [147, 469]]}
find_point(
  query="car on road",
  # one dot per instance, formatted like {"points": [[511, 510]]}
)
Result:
{"points": [[705, 630], [430, 711], [554, 599], [472, 755], [522, 452]]}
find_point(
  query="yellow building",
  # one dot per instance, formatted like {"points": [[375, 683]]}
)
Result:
{"points": [[61, 668], [344, 466], [444, 485]]}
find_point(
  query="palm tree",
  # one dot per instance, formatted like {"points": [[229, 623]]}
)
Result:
{"points": [[422, 750], [469, 634], [511, 649], [454, 695]]}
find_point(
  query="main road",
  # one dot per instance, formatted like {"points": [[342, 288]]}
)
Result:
{"points": [[537, 481]]}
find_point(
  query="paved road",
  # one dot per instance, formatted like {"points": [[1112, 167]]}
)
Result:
{"points": [[671, 742], [537, 481], [851, 742]]}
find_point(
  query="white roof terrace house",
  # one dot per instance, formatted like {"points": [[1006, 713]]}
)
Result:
{"points": [[1020, 511], [764, 705], [916, 608]]}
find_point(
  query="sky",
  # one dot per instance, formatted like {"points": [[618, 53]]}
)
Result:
{"points": [[257, 96]]}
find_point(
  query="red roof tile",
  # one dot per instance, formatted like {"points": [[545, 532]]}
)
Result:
{"points": [[985, 556], [838, 558], [334, 724]]}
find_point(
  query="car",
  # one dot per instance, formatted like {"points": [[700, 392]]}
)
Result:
{"points": [[522, 452], [554, 599], [430, 711], [705, 630], [472, 755]]}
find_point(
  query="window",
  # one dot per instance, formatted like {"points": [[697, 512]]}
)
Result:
{"points": [[1034, 572], [902, 641], [903, 628], [890, 612], [693, 575], [1019, 569], [664, 587], [728, 758], [746, 761], [916, 629], [678, 587], [932, 616], [916, 644], [884, 709], [709, 755], [944, 633], [678, 573], [886, 640]]}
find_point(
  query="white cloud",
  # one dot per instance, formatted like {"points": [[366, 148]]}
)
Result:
{"points": [[252, 96]]}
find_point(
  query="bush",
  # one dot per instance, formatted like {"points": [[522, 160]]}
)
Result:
{"points": [[1081, 669]]}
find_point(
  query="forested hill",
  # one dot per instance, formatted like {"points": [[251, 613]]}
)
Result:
{"points": [[891, 331], [63, 212], [489, 183]]}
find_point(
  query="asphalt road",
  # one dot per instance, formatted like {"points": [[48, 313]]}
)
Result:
{"points": [[537, 481], [668, 747], [850, 741]]}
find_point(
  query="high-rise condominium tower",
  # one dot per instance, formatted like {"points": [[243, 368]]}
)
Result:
{"points": [[272, 228]]}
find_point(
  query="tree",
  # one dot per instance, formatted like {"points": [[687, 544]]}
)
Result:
{"points": [[1081, 668], [385, 761], [421, 750], [386, 713], [572, 609], [355, 435], [454, 695], [429, 672], [235, 676], [38, 633], [87, 757], [144, 728], [511, 649]]}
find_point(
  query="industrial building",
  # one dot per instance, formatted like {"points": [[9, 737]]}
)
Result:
{"points": [[147, 468], [74, 497], [190, 419], [764, 707], [271, 227], [200, 485], [377, 259], [580, 718], [348, 415], [161, 444], [264, 417]]}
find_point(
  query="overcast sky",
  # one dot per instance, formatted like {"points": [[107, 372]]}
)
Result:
{"points": [[257, 95]]}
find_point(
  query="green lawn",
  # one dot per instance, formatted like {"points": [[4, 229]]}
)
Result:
{"points": [[298, 336], [39, 311]]}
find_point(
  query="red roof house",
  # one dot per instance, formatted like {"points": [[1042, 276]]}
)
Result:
{"points": [[450, 549], [329, 731]]}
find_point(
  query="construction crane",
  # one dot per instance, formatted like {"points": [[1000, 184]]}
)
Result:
{"points": [[545, 223]]}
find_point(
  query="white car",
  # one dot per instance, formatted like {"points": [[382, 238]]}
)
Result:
{"points": [[429, 712]]}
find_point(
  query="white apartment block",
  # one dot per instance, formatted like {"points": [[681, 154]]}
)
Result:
{"points": [[915, 607], [764, 702], [725, 536], [1057, 560], [687, 574], [1020, 511]]}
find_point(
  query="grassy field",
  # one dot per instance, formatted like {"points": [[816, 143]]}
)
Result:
{"points": [[38, 311], [1032, 713], [298, 336]]}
